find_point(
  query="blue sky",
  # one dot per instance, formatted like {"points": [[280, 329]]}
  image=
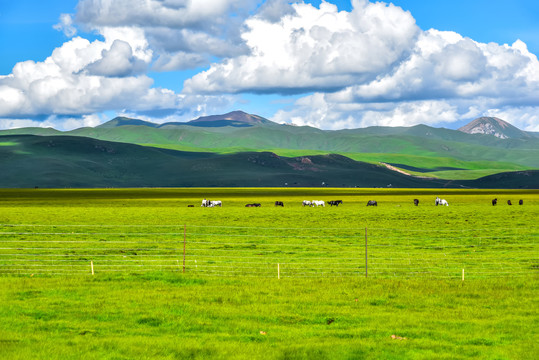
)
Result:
{"points": [[442, 63]]}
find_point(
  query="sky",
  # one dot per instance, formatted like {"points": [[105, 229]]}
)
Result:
{"points": [[329, 64]]}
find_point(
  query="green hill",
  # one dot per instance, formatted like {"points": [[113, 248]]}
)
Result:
{"points": [[68, 161], [437, 152]]}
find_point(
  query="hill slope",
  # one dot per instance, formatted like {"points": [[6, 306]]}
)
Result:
{"points": [[419, 140], [416, 147], [67, 161]]}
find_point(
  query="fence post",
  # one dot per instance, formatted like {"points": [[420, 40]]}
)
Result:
{"points": [[366, 256], [462, 274], [184, 239], [92, 266]]}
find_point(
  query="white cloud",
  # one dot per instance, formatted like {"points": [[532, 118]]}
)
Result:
{"points": [[66, 25], [315, 110], [117, 61], [175, 30], [158, 13], [81, 77], [314, 48]]}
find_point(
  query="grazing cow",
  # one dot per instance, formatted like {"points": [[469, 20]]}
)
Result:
{"points": [[306, 203], [211, 203], [372, 203], [318, 203], [279, 203], [494, 201], [509, 202], [439, 201], [190, 205], [335, 202], [253, 205], [416, 202], [520, 202]]}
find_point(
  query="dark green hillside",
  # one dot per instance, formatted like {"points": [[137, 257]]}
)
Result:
{"points": [[66, 161], [508, 180]]}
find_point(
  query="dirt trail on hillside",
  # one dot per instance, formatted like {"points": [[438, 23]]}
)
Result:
{"points": [[391, 167]]}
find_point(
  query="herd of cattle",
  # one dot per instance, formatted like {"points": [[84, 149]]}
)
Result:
{"points": [[313, 203]]}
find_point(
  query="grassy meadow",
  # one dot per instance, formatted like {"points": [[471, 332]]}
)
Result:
{"points": [[229, 302]]}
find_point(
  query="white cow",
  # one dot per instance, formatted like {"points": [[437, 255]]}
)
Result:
{"points": [[307, 203], [439, 201], [319, 203]]}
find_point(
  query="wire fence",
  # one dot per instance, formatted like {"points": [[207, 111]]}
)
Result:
{"points": [[268, 252]]}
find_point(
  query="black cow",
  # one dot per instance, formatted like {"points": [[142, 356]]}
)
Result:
{"points": [[520, 202], [253, 205], [372, 203], [279, 203], [190, 205], [335, 202], [494, 201], [509, 202], [416, 202]]}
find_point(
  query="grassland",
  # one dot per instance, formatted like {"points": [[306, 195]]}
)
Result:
{"points": [[244, 314]]}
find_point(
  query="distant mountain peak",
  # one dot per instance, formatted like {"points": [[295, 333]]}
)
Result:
{"points": [[124, 121], [493, 126]]}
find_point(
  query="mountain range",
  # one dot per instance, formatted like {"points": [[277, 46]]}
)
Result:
{"points": [[240, 149]]}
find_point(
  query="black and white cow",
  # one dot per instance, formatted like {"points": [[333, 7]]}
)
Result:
{"points": [[279, 203], [335, 202], [372, 203]]}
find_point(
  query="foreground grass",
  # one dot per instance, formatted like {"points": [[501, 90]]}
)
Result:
{"points": [[173, 316]]}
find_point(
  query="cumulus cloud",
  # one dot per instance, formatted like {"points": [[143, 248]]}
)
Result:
{"points": [[315, 110], [81, 77], [176, 30], [314, 49], [117, 61]]}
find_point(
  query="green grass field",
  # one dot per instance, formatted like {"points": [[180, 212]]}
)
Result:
{"points": [[229, 302]]}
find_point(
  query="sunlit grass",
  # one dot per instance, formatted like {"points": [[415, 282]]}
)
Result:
{"points": [[175, 315]]}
